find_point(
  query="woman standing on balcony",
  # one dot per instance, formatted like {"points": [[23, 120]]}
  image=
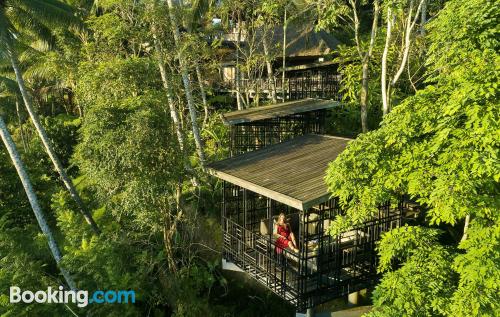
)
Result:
{"points": [[283, 232]]}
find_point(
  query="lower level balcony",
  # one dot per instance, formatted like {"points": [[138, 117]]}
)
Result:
{"points": [[287, 178]]}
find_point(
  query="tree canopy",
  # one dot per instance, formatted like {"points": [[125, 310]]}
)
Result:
{"points": [[440, 147]]}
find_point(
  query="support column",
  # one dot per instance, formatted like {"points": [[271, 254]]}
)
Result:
{"points": [[245, 208], [309, 313], [244, 233], [270, 224], [223, 203], [353, 299]]}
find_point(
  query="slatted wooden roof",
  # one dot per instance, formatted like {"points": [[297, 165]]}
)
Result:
{"points": [[291, 172], [277, 110]]}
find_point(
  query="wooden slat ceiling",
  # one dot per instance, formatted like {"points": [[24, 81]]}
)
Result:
{"points": [[277, 110], [291, 172]]}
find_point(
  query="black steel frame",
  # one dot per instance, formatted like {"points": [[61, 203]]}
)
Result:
{"points": [[336, 266], [321, 83], [250, 136]]}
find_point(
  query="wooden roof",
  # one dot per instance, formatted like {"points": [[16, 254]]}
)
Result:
{"points": [[291, 172], [277, 110], [305, 41]]}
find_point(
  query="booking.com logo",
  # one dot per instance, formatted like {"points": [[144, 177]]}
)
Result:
{"points": [[62, 296]]}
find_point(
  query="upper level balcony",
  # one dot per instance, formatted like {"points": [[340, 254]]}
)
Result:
{"points": [[258, 127]]}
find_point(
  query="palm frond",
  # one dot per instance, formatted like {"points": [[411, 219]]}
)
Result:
{"points": [[8, 86], [26, 24], [51, 13], [46, 67], [6, 33], [26, 54]]}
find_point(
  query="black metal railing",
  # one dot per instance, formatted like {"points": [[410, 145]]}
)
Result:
{"points": [[326, 266], [256, 255], [312, 83], [250, 136]]}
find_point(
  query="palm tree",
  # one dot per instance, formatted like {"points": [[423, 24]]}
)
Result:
{"points": [[21, 171], [32, 20]]}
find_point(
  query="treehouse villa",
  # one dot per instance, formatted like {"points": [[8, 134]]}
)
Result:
{"points": [[309, 69], [279, 155]]}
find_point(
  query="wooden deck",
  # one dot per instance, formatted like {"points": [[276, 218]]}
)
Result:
{"points": [[291, 172], [277, 110]]}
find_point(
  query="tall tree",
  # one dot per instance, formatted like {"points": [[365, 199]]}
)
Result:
{"points": [[30, 192], [405, 11], [269, 20], [174, 114], [339, 12], [195, 21], [33, 20], [186, 82]]}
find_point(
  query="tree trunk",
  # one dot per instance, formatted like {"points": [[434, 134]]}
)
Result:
{"points": [[203, 96], [423, 18], [383, 77], [21, 128], [365, 76], [407, 41], [30, 192], [466, 228], [187, 85], [387, 87], [46, 142], [270, 73], [364, 96], [248, 85], [173, 113], [169, 229], [169, 253], [171, 105], [284, 57], [237, 69]]}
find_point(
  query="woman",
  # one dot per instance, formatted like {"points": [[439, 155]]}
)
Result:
{"points": [[285, 236]]}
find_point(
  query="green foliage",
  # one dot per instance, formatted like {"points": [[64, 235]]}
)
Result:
{"points": [[62, 130], [426, 281], [478, 291], [402, 243], [126, 143], [441, 147], [25, 259], [33, 21], [461, 30], [350, 69], [24, 262]]}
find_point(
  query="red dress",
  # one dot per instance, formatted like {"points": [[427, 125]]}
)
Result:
{"points": [[283, 241]]}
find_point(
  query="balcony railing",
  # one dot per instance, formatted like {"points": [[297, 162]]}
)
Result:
{"points": [[326, 267], [305, 84], [254, 253]]}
